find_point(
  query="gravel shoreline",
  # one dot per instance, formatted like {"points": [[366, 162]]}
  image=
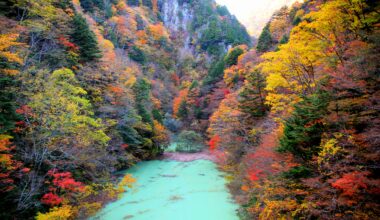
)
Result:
{"points": [[188, 157]]}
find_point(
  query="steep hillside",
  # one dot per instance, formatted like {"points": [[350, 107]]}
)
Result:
{"points": [[87, 88], [298, 128], [91, 87], [203, 26], [203, 33]]}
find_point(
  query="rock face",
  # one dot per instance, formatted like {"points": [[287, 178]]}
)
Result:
{"points": [[200, 26], [178, 18]]}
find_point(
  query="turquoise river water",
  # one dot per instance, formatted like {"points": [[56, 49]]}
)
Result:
{"points": [[172, 190]]}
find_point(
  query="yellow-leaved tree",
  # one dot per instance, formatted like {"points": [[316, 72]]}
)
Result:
{"points": [[7, 42], [63, 121], [316, 43]]}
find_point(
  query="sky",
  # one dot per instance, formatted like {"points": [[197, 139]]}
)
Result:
{"points": [[254, 13]]}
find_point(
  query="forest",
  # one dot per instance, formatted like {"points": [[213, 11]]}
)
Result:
{"points": [[90, 88]]}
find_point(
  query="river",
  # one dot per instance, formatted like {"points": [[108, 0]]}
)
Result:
{"points": [[174, 190]]}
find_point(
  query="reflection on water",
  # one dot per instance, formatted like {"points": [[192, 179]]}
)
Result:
{"points": [[171, 190]]}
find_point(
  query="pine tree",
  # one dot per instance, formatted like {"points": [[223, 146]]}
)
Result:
{"points": [[182, 110], [136, 54], [89, 5], [232, 57], [147, 3], [141, 90], [9, 63], [303, 130], [133, 2], [265, 40], [6, 7], [252, 95], [8, 114], [85, 39], [284, 39], [157, 115], [215, 73]]}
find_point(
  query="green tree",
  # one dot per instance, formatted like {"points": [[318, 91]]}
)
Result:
{"points": [[9, 63], [222, 10], [133, 2], [65, 122], [148, 3], [89, 5], [182, 110], [8, 114], [252, 95], [143, 112], [215, 73], [6, 7], [303, 130], [284, 39], [211, 37], [265, 40], [141, 90], [232, 57], [157, 115], [127, 131], [189, 141], [140, 22], [137, 55], [85, 39]]}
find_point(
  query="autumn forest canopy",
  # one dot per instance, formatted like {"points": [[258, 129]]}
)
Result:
{"points": [[91, 87]]}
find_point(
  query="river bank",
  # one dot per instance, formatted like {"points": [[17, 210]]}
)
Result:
{"points": [[188, 157]]}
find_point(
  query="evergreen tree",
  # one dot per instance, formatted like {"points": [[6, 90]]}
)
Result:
{"points": [[148, 3], [85, 39], [89, 5], [9, 63], [6, 7], [8, 114], [182, 110], [252, 95], [133, 2], [265, 40], [141, 110], [232, 57], [141, 90], [140, 23], [130, 135], [157, 115], [284, 39], [215, 73], [137, 55], [296, 21], [212, 36], [303, 130], [222, 10]]}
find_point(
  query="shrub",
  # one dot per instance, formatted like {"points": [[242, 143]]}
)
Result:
{"points": [[189, 141]]}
